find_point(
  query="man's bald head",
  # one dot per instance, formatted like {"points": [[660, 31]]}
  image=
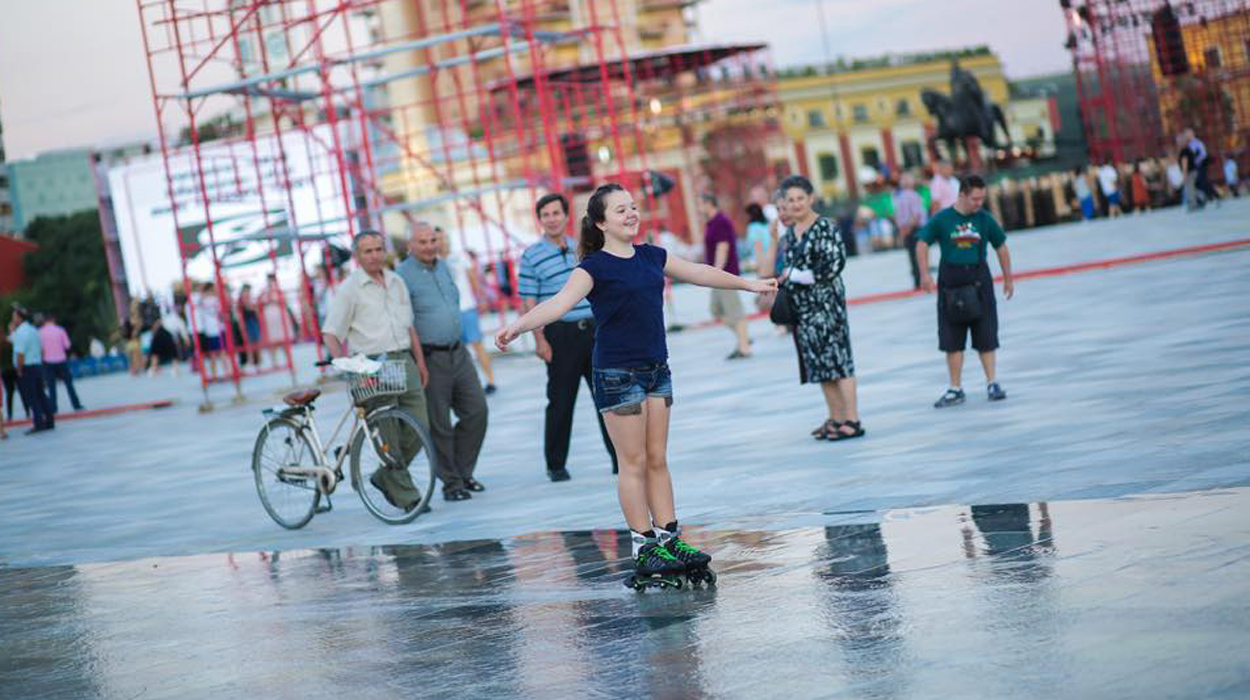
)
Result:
{"points": [[424, 243]]}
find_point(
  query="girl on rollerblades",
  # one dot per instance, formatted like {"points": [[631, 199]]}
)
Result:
{"points": [[632, 384]]}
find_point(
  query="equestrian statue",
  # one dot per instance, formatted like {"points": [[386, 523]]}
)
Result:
{"points": [[965, 112]]}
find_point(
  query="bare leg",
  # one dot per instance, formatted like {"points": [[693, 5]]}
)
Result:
{"points": [[483, 359], [847, 393], [629, 439], [988, 362], [955, 367], [744, 340], [659, 481], [833, 400]]}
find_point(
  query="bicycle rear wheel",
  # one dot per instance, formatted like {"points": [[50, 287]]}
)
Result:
{"points": [[289, 498], [389, 441]]}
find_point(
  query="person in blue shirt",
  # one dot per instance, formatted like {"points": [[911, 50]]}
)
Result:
{"points": [[633, 387], [28, 361]]}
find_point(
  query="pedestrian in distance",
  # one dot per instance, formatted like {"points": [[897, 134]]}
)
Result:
{"points": [[565, 345], [815, 258], [28, 362], [909, 216], [944, 187], [454, 386], [463, 266], [371, 313], [720, 248], [1084, 195], [965, 288], [633, 385], [1109, 182], [55, 344]]}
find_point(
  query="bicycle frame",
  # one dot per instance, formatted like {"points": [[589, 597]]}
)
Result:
{"points": [[327, 475]]}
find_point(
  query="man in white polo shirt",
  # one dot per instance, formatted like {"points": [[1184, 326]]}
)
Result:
{"points": [[371, 312]]}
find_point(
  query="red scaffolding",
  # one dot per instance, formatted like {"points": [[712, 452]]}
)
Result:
{"points": [[458, 112], [1148, 69]]}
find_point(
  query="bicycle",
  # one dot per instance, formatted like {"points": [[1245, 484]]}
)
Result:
{"points": [[293, 469]]}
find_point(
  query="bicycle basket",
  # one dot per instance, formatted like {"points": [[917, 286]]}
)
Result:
{"points": [[390, 380]]}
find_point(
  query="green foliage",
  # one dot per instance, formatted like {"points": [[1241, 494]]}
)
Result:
{"points": [[68, 276]]}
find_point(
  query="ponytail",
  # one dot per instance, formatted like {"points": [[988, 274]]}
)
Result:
{"points": [[591, 238]]}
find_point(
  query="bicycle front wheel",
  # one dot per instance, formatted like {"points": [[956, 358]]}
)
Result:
{"points": [[282, 452], [393, 466]]}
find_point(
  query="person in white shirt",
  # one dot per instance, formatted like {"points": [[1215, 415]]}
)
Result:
{"points": [[1109, 182], [472, 303], [943, 188]]}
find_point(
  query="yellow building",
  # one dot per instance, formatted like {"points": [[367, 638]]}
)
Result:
{"points": [[870, 114], [1218, 54]]}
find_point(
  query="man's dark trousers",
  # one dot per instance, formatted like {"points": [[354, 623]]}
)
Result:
{"points": [[572, 347], [60, 370], [35, 395]]}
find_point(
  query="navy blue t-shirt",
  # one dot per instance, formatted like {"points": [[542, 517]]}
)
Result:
{"points": [[628, 303]]}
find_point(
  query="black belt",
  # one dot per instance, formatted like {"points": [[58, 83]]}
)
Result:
{"points": [[427, 349], [581, 325]]}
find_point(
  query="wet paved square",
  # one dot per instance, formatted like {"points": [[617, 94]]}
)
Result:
{"points": [[1103, 549]]}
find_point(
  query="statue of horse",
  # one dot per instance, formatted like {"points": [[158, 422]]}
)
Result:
{"points": [[965, 112]]}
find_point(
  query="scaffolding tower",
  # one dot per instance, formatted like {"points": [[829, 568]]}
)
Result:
{"points": [[457, 112], [1148, 69]]}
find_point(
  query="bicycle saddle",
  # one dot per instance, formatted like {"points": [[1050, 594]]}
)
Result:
{"points": [[302, 397]]}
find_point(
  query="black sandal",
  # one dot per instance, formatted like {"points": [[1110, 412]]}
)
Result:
{"points": [[837, 434], [825, 429]]}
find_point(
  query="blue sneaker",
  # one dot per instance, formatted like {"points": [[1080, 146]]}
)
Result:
{"points": [[952, 397], [995, 392]]}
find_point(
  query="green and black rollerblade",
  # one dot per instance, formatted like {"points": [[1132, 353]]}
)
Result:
{"points": [[694, 561], [654, 566]]}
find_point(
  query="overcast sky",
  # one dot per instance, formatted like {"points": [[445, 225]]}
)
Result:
{"points": [[72, 72]]}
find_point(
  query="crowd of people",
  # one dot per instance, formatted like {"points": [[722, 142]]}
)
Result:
{"points": [[595, 306]]}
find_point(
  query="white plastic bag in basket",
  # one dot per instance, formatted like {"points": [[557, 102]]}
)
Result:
{"points": [[357, 364]]}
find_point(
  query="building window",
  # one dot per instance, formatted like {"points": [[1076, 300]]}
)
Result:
{"points": [[1212, 56], [903, 108], [871, 157], [860, 112], [828, 166], [913, 155], [815, 118]]}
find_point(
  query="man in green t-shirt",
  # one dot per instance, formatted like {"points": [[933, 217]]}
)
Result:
{"points": [[965, 287]]}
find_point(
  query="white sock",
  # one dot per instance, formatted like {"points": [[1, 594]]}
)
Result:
{"points": [[640, 539], [663, 535]]}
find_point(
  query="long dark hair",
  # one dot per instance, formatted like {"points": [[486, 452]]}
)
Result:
{"points": [[596, 213], [755, 213]]}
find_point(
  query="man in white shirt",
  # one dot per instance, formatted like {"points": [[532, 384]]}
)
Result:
{"points": [[1109, 182], [372, 314], [943, 188]]}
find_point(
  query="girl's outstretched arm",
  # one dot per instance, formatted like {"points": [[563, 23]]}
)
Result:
{"points": [[579, 285], [708, 276]]}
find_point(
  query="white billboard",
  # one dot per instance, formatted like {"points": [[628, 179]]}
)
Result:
{"points": [[259, 197]]}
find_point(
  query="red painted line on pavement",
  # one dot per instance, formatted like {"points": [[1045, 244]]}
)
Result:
{"points": [[1036, 274], [97, 412]]}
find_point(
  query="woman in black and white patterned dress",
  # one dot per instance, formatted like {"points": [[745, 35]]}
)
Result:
{"points": [[815, 257]]}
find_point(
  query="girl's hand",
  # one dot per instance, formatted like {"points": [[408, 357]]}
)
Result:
{"points": [[506, 335], [762, 286]]}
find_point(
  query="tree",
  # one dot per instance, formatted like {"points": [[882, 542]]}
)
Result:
{"points": [[68, 276]]}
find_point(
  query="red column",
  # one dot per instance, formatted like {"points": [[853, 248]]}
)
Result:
{"points": [[800, 154], [848, 164], [887, 142]]}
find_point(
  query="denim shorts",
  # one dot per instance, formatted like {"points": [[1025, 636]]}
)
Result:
{"points": [[619, 388]]}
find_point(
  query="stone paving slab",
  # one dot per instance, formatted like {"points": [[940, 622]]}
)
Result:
{"points": [[1141, 597], [1124, 381]]}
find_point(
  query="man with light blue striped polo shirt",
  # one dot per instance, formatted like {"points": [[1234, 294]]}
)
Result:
{"points": [[566, 345]]}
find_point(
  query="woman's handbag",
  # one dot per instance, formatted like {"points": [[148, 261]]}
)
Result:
{"points": [[783, 312]]}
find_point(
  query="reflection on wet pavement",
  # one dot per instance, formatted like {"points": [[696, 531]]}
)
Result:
{"points": [[1136, 597]]}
